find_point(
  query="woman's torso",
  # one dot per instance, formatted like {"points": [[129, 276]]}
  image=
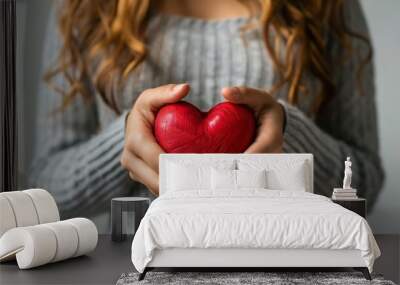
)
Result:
{"points": [[207, 54]]}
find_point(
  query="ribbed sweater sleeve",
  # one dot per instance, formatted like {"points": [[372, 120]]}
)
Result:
{"points": [[75, 161], [348, 126]]}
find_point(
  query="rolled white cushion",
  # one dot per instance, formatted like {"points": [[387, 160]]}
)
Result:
{"points": [[46, 207], [87, 233], [7, 218], [40, 244], [23, 208], [67, 240], [33, 246], [26, 208]]}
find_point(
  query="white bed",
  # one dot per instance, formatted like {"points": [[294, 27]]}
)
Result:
{"points": [[248, 227]]}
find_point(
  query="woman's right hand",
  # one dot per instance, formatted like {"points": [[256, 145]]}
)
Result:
{"points": [[141, 150]]}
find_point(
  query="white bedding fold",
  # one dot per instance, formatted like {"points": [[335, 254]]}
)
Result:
{"points": [[250, 219]]}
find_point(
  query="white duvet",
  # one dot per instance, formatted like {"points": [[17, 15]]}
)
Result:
{"points": [[250, 219]]}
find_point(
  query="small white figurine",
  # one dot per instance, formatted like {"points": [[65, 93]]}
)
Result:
{"points": [[347, 174], [347, 192]]}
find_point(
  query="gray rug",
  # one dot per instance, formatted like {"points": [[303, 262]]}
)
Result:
{"points": [[269, 278]]}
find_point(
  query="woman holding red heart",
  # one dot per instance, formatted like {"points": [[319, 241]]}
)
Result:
{"points": [[141, 152], [303, 68]]}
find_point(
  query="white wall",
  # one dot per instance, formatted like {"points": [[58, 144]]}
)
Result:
{"points": [[384, 23]]}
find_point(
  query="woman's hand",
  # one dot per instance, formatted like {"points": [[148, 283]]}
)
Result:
{"points": [[141, 150], [270, 117]]}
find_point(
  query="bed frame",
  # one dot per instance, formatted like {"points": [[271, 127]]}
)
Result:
{"points": [[236, 259]]}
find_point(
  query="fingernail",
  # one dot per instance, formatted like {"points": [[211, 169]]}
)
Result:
{"points": [[235, 92], [228, 90], [179, 87]]}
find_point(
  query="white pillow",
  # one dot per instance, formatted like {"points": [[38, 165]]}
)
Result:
{"points": [[293, 179], [284, 175], [236, 179], [223, 179], [251, 178], [183, 176]]}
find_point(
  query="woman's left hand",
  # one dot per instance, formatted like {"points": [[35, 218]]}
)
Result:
{"points": [[269, 114]]}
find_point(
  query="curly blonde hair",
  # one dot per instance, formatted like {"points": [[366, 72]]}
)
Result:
{"points": [[105, 39]]}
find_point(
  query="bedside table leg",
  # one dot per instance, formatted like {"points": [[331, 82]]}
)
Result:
{"points": [[116, 221]]}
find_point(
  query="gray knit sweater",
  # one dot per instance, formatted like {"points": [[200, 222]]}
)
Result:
{"points": [[78, 150]]}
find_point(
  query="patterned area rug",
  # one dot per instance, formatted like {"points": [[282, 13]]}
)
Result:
{"points": [[231, 278]]}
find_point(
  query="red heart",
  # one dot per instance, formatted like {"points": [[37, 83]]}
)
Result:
{"points": [[226, 128]]}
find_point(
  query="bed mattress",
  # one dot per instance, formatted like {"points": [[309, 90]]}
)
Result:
{"points": [[250, 219]]}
